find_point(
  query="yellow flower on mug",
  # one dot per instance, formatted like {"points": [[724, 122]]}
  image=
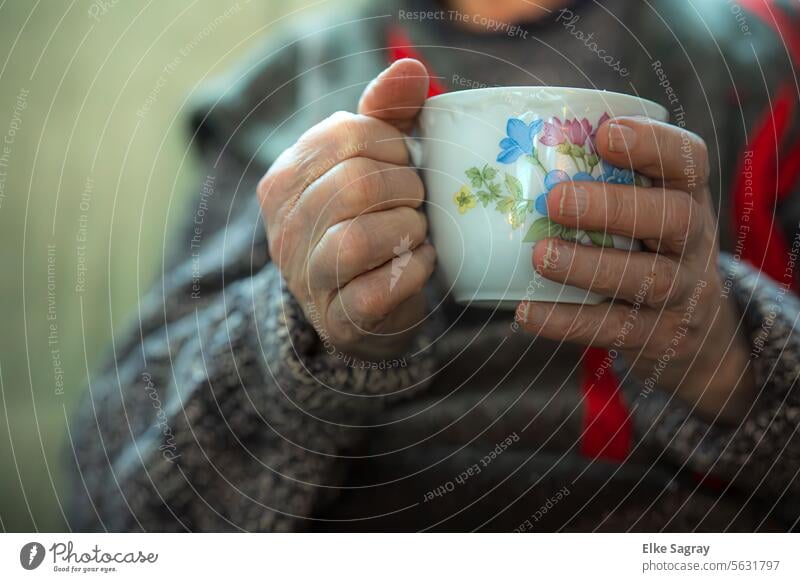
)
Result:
{"points": [[464, 199]]}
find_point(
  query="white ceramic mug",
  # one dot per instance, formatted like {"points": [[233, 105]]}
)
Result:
{"points": [[488, 158]]}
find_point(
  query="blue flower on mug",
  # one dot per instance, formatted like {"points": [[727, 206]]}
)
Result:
{"points": [[614, 175], [551, 179], [519, 140]]}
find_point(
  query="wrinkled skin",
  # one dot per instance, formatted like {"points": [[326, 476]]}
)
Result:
{"points": [[682, 315], [340, 205]]}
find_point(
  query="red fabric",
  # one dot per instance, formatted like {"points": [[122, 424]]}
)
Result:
{"points": [[785, 27], [757, 192], [789, 175], [774, 167], [400, 47], [606, 428]]}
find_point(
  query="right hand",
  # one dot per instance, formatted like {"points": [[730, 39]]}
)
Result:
{"points": [[340, 205]]}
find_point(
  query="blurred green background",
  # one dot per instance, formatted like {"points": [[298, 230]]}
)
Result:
{"points": [[88, 189]]}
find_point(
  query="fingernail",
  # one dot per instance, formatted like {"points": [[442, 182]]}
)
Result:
{"points": [[534, 315], [574, 202], [550, 260], [621, 138]]}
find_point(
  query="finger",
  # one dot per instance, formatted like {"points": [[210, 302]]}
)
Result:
{"points": [[368, 302], [340, 137], [603, 325], [359, 186], [358, 245], [397, 94], [659, 150], [638, 277], [669, 216]]}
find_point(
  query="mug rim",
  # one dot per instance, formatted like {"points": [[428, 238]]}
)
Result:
{"points": [[474, 94]]}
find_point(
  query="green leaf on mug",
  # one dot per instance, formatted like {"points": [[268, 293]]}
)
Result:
{"points": [[489, 173], [569, 234], [542, 228], [600, 239], [474, 175], [520, 213], [506, 204], [484, 197], [495, 189], [514, 186]]}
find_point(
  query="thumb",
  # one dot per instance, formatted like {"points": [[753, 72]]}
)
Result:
{"points": [[397, 94]]}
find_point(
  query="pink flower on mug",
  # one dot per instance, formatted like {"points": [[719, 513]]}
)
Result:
{"points": [[578, 131], [554, 133]]}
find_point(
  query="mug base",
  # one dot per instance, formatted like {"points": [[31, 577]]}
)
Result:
{"points": [[506, 303]]}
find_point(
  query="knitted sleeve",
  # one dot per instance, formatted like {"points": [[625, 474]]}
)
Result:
{"points": [[762, 454]]}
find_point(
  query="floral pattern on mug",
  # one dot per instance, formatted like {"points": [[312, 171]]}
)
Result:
{"points": [[464, 199], [519, 140], [551, 180], [575, 138], [614, 175]]}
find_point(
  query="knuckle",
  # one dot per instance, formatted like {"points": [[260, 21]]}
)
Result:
{"points": [[359, 183], [692, 151], [681, 215], [271, 188], [319, 149], [341, 114], [665, 139], [264, 189], [353, 243], [403, 184], [282, 241], [427, 259], [695, 221], [420, 268], [581, 329], [413, 186], [663, 288], [340, 322], [309, 165], [701, 154], [616, 321], [616, 209], [604, 277], [370, 304], [299, 290], [319, 269], [276, 240], [346, 129], [410, 220]]}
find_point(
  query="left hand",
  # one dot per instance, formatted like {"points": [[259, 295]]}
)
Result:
{"points": [[670, 318]]}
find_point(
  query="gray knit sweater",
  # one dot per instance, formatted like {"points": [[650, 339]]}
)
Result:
{"points": [[221, 408]]}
